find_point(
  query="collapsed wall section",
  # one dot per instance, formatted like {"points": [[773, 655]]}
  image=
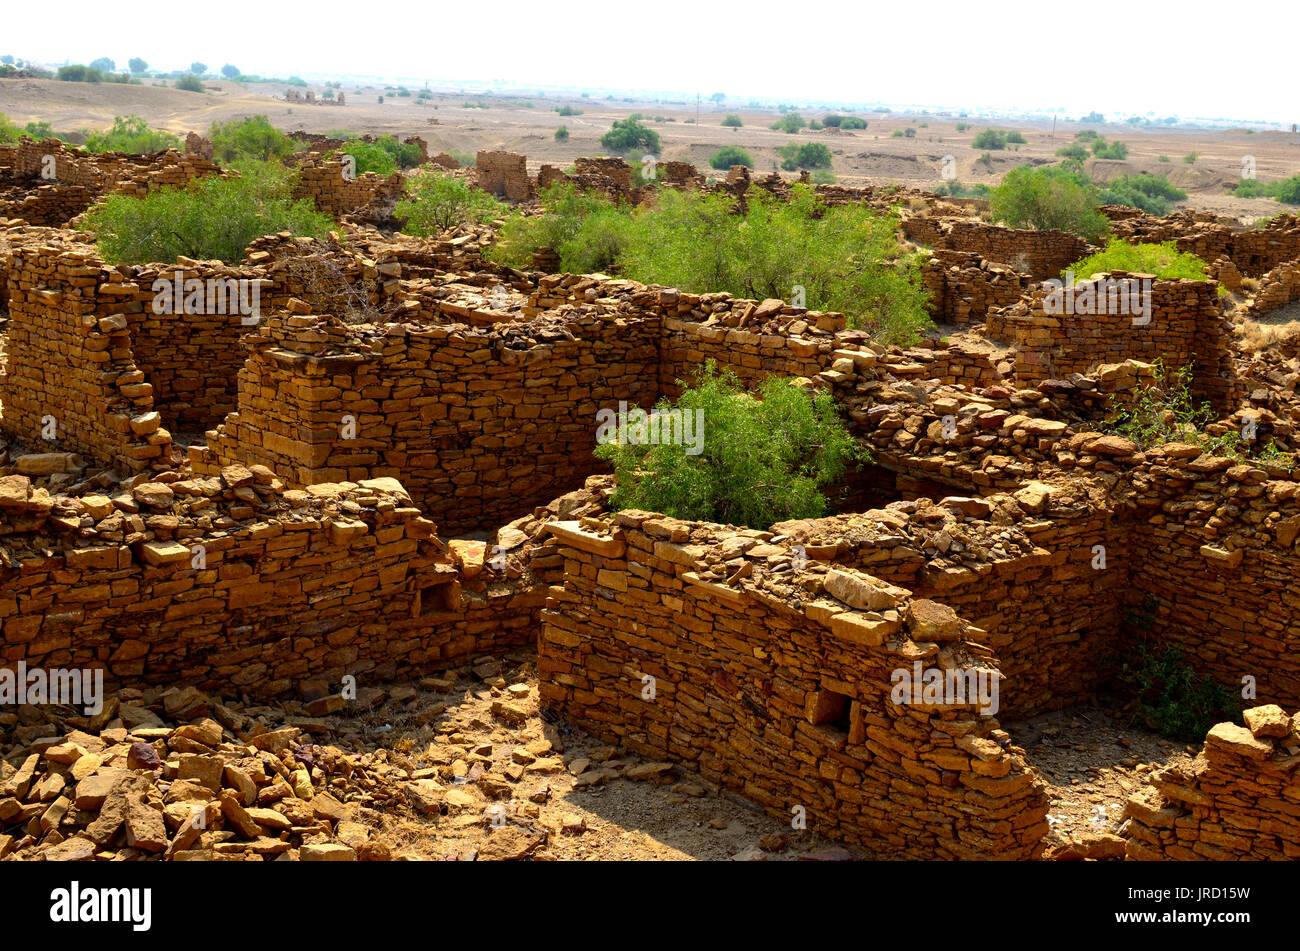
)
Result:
{"points": [[231, 583], [1238, 800], [780, 692]]}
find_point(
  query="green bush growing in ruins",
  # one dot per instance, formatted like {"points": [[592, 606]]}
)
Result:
{"points": [[628, 134], [368, 156], [9, 132], [1172, 698], [209, 218], [1049, 198], [1163, 410], [846, 257], [730, 155], [438, 202], [1151, 193], [252, 137], [131, 134], [1162, 259], [752, 460]]}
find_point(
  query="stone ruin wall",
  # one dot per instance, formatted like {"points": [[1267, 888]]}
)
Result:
{"points": [[294, 588], [70, 359], [1040, 254], [1238, 800], [1187, 326], [322, 181], [504, 174], [779, 697], [963, 287], [1253, 251]]}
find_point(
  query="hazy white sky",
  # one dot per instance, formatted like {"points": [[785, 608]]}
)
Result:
{"points": [[1131, 56]]}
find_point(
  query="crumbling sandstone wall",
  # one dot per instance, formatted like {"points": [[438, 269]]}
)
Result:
{"points": [[780, 692], [962, 286], [230, 582], [369, 193], [1040, 254], [1186, 325], [1254, 251], [504, 174], [1237, 800], [70, 363], [479, 426]]}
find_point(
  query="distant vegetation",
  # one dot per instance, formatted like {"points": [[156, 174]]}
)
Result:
{"points": [[562, 134], [209, 218], [733, 121], [954, 189], [438, 201], [383, 156], [190, 83], [1047, 198], [757, 460], [1286, 191], [809, 155], [846, 257], [1151, 193], [996, 139], [844, 122], [131, 134], [730, 155], [568, 111], [628, 134], [790, 123]]}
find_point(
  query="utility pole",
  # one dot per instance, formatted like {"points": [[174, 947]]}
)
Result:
{"points": [[1053, 138], [697, 109]]}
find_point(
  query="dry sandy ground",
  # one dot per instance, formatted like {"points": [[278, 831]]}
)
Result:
{"points": [[860, 156]]}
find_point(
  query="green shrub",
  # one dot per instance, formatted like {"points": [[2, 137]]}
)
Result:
{"points": [[954, 189], [1287, 190], [250, 138], [131, 134], [751, 461], [568, 111], [1015, 137], [1162, 158], [190, 83], [853, 122], [846, 257], [209, 218], [9, 132], [438, 202], [733, 121], [963, 126], [562, 134], [628, 134], [1164, 260], [1151, 193], [790, 123], [1073, 151], [730, 155], [1087, 135], [368, 157], [1113, 150], [809, 155], [1191, 157], [1163, 411], [991, 139], [1172, 698], [1049, 198], [822, 176]]}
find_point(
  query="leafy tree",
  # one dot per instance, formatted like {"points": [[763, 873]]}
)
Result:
{"points": [[103, 64], [808, 155], [1015, 137], [1049, 198], [751, 461], [77, 73], [198, 69], [732, 121], [568, 111], [209, 218], [1096, 118], [562, 134], [7, 59], [229, 71], [628, 134], [1151, 193], [438, 202], [131, 134], [190, 83], [730, 155], [249, 138], [137, 65]]}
